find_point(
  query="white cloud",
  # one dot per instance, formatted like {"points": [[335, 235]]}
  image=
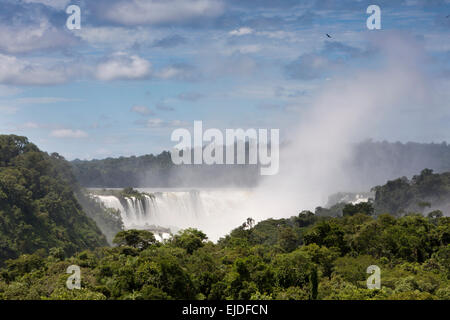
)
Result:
{"points": [[241, 32], [40, 36], [115, 36], [14, 71], [69, 133], [119, 66], [56, 4], [134, 12], [178, 72], [122, 66]]}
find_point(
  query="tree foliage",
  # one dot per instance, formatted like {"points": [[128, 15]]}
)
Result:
{"points": [[329, 261], [38, 207], [424, 191]]}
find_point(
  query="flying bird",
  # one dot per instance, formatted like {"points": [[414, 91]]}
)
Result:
{"points": [[328, 35]]}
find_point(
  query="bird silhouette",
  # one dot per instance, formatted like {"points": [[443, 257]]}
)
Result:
{"points": [[328, 35]]}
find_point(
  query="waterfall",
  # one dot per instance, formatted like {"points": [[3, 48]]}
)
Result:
{"points": [[111, 202], [212, 211]]}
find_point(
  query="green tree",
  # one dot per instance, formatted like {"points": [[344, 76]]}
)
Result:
{"points": [[362, 207], [288, 239], [190, 240], [138, 239]]}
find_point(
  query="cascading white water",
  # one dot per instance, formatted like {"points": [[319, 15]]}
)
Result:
{"points": [[111, 202], [215, 212]]}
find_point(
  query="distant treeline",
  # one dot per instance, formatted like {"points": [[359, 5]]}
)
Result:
{"points": [[423, 193], [159, 171], [372, 163]]}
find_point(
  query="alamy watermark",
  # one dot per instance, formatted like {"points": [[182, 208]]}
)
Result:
{"points": [[74, 20], [258, 142], [374, 281], [374, 20], [74, 280]]}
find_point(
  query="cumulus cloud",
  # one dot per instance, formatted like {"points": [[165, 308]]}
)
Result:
{"points": [[56, 4], [136, 12], [14, 71], [115, 37], [241, 32], [41, 36], [178, 71], [119, 66], [69, 133], [344, 5], [122, 66]]}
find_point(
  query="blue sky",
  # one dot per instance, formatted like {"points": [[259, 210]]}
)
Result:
{"points": [[138, 69]]}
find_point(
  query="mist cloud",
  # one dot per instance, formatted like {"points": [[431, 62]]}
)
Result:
{"points": [[345, 111]]}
